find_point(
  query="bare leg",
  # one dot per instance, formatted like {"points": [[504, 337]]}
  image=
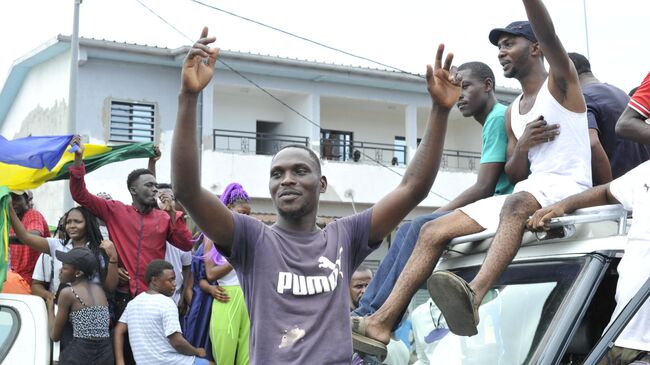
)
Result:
{"points": [[516, 210], [433, 238]]}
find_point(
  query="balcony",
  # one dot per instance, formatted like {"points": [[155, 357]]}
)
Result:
{"points": [[262, 143], [361, 151], [258, 143]]}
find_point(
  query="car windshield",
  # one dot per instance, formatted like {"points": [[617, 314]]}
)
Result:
{"points": [[514, 316]]}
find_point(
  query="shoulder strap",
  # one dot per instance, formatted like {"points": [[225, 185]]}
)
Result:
{"points": [[77, 296]]}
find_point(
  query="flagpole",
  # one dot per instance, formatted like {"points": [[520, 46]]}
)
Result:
{"points": [[72, 95]]}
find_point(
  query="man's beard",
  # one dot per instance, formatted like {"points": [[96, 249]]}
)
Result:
{"points": [[294, 215]]}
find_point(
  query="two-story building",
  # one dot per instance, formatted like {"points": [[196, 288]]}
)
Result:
{"points": [[363, 122]]}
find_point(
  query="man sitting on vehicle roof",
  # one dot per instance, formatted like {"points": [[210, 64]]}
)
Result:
{"points": [[632, 191], [559, 165]]}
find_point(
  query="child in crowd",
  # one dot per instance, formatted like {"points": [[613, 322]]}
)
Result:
{"points": [[84, 304], [229, 323], [151, 319]]}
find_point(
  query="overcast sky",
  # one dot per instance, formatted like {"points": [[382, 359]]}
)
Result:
{"points": [[402, 33]]}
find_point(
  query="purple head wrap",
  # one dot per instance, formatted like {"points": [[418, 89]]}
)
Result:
{"points": [[234, 192]]}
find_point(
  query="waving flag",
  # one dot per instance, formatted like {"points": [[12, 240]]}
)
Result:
{"points": [[4, 233], [34, 152], [22, 177]]}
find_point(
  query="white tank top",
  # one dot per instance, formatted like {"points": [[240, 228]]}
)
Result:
{"points": [[569, 155], [229, 279]]}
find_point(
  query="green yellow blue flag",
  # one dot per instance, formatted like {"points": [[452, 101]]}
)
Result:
{"points": [[5, 199], [17, 177]]}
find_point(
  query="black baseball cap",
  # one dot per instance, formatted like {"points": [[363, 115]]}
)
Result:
{"points": [[520, 28], [81, 258]]}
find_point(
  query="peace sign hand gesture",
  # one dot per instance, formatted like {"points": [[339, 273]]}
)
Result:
{"points": [[196, 72], [443, 82]]}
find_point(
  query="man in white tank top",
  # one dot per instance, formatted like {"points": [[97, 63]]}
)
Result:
{"points": [[547, 133]]}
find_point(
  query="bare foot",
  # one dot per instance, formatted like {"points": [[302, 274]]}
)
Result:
{"points": [[377, 330]]}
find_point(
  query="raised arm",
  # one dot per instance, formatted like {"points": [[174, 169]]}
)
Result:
{"points": [[563, 78], [151, 165], [214, 219], [444, 88], [97, 206], [32, 240]]}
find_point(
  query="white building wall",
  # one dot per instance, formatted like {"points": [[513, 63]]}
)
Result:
{"points": [[367, 124], [41, 103], [101, 81], [462, 133]]}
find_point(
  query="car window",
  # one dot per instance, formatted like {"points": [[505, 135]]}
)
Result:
{"points": [[514, 316], [627, 330], [9, 326]]}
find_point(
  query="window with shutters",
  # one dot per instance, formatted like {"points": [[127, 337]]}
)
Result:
{"points": [[132, 122]]}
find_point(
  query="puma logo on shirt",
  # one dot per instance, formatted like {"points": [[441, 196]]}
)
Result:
{"points": [[311, 285]]}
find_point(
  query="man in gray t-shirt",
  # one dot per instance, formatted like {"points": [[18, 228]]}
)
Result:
{"points": [[295, 276], [300, 308]]}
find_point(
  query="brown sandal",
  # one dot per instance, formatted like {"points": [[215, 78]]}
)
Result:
{"points": [[455, 299], [363, 344]]}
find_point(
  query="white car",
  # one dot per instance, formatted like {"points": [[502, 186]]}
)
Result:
{"points": [[24, 335], [550, 307]]}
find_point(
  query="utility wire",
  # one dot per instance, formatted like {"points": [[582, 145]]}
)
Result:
{"points": [[271, 95], [305, 39]]}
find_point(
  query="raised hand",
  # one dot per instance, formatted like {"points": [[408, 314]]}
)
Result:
{"points": [[76, 140], [196, 72], [156, 153], [443, 82], [537, 132]]}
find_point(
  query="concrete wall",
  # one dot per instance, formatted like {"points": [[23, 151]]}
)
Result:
{"points": [[41, 105], [101, 81]]}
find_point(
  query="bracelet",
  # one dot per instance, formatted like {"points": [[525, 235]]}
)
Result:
{"points": [[113, 262]]}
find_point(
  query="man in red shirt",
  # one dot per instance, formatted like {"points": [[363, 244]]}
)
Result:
{"points": [[633, 123], [138, 230], [23, 258]]}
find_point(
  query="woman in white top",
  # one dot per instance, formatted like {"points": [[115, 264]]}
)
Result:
{"points": [[81, 230], [229, 322]]}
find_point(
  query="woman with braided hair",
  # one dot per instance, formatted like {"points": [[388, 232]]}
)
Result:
{"points": [[229, 322], [80, 230]]}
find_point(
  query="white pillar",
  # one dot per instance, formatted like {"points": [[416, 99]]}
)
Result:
{"points": [[314, 115], [411, 130]]}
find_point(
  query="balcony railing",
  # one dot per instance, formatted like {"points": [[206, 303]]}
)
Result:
{"points": [[462, 160], [338, 150], [359, 151], [259, 143]]}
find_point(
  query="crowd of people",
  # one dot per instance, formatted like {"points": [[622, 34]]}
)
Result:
{"points": [[129, 283]]}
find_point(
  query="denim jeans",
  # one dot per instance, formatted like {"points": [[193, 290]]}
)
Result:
{"points": [[392, 265]]}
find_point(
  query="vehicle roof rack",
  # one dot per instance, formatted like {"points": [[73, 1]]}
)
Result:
{"points": [[612, 212]]}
